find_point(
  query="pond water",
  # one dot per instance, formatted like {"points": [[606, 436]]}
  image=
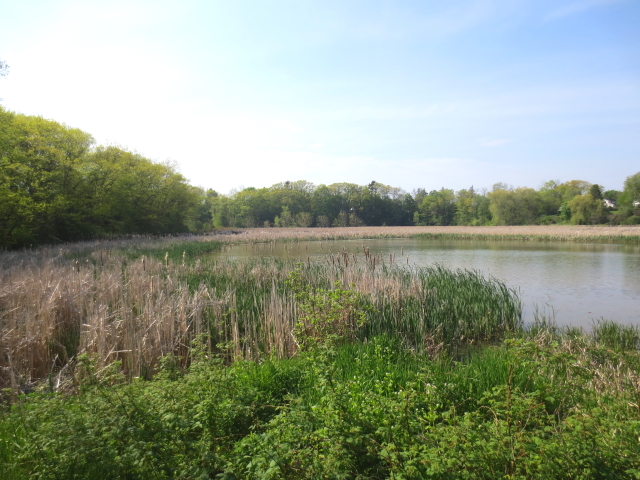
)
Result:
{"points": [[575, 282]]}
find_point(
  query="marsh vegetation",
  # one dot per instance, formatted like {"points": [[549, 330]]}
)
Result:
{"points": [[152, 359]]}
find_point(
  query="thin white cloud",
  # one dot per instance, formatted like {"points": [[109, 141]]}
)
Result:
{"points": [[579, 7]]}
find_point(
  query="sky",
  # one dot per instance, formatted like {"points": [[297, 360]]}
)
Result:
{"points": [[412, 94]]}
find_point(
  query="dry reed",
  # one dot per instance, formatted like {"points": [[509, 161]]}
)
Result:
{"points": [[97, 299]]}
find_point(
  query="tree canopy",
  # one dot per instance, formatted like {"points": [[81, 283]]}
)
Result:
{"points": [[56, 185]]}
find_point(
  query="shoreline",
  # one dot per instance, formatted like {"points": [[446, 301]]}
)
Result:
{"points": [[543, 233]]}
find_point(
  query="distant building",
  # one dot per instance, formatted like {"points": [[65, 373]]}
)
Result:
{"points": [[636, 203], [609, 203]]}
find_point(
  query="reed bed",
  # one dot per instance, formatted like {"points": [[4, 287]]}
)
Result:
{"points": [[134, 246], [134, 302], [555, 233]]}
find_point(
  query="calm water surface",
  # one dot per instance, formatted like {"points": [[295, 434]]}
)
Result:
{"points": [[577, 282]]}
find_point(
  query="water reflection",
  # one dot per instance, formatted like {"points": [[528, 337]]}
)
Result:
{"points": [[579, 282]]}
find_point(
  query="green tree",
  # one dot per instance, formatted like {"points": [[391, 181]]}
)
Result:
{"points": [[632, 186], [629, 195], [342, 220], [551, 197], [437, 208], [596, 191], [586, 210], [131, 194], [285, 219], [324, 203], [304, 219], [201, 219], [471, 208], [514, 207], [43, 195], [221, 207], [611, 195]]}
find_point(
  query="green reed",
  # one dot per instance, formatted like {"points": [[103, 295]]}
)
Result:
{"points": [[430, 308], [616, 336]]}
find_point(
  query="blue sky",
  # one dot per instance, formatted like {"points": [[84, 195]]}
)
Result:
{"points": [[408, 93]]}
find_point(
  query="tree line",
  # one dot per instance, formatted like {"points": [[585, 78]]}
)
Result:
{"points": [[303, 204], [57, 185]]}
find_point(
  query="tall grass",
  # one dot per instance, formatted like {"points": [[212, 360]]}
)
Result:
{"points": [[134, 304], [545, 233], [616, 336]]}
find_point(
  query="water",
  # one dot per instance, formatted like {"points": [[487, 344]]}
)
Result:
{"points": [[575, 282]]}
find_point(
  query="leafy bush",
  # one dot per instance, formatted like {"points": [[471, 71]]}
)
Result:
{"points": [[182, 428], [545, 407], [324, 316]]}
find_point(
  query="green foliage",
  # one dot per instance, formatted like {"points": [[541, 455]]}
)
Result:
{"points": [[611, 195], [325, 317], [596, 191], [632, 186], [565, 212], [531, 408], [514, 207], [437, 208], [55, 186], [359, 427], [472, 208], [175, 427], [586, 210]]}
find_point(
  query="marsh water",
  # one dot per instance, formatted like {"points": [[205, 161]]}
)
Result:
{"points": [[576, 283]]}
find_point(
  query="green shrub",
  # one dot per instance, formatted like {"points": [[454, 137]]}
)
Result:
{"points": [[325, 316], [549, 407]]}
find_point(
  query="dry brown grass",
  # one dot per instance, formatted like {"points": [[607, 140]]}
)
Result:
{"points": [[54, 307], [134, 313], [551, 232]]}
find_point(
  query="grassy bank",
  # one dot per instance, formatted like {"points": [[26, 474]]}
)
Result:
{"points": [[541, 406], [145, 359]]}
